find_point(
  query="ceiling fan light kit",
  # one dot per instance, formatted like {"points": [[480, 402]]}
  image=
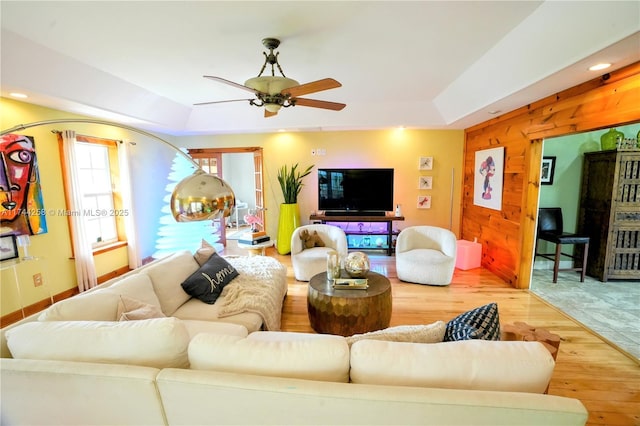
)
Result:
{"points": [[274, 92], [270, 85]]}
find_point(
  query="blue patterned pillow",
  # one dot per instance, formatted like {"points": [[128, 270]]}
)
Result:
{"points": [[207, 282], [479, 323]]}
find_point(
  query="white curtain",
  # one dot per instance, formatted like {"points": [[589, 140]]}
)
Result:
{"points": [[85, 267], [127, 203]]}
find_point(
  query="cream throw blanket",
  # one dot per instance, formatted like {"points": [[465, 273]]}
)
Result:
{"points": [[260, 288]]}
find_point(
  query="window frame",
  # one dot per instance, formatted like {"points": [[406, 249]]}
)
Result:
{"points": [[112, 146]]}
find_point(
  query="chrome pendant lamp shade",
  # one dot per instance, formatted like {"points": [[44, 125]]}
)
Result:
{"points": [[201, 196]]}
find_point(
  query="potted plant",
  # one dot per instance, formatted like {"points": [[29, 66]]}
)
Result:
{"points": [[290, 180]]}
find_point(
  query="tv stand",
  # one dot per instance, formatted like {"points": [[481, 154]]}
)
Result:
{"points": [[354, 213], [366, 230]]}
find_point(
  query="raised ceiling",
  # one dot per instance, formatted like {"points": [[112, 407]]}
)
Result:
{"points": [[418, 64]]}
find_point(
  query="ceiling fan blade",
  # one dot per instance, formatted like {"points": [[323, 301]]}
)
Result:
{"points": [[222, 102], [314, 86], [314, 103], [268, 114], [231, 83]]}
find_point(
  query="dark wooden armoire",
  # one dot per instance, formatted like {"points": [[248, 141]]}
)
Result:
{"points": [[610, 213]]}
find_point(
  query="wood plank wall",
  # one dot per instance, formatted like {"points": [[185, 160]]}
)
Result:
{"points": [[508, 235]]}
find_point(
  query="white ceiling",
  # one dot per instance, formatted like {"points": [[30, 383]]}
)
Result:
{"points": [[420, 64]]}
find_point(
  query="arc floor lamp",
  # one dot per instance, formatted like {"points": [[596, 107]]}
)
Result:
{"points": [[201, 196]]}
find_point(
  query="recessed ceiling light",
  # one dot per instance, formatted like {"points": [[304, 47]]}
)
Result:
{"points": [[18, 95], [598, 67]]}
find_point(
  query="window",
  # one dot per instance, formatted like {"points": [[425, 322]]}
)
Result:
{"points": [[97, 192], [98, 171]]}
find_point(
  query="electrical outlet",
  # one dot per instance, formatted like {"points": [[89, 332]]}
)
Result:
{"points": [[37, 279], [322, 151]]}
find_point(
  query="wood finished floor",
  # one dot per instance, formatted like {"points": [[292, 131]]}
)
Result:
{"points": [[589, 369]]}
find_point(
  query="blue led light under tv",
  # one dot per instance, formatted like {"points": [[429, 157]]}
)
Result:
{"points": [[357, 192]]}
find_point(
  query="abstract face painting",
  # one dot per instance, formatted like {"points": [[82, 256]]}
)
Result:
{"points": [[21, 206]]}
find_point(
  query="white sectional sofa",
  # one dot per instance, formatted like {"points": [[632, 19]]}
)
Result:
{"points": [[184, 371]]}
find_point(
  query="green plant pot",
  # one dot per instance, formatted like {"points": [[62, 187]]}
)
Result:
{"points": [[289, 220]]}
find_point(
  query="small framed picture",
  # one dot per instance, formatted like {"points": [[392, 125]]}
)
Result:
{"points": [[425, 182], [547, 171], [8, 247], [424, 201], [426, 163]]}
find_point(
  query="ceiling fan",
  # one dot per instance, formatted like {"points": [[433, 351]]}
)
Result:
{"points": [[274, 92]]}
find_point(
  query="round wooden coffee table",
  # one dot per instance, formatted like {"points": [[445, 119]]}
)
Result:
{"points": [[348, 312]]}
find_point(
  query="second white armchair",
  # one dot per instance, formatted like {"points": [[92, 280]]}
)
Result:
{"points": [[426, 255]]}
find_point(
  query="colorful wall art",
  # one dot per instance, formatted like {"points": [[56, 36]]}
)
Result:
{"points": [[21, 205], [424, 201], [487, 183]]}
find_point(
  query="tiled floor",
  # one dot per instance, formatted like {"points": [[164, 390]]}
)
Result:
{"points": [[610, 309]]}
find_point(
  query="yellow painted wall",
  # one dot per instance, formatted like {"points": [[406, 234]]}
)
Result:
{"points": [[398, 149], [54, 246]]}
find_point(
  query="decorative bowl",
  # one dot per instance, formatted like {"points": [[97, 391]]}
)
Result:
{"points": [[357, 264]]}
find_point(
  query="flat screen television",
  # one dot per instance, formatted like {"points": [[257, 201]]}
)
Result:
{"points": [[355, 191]]}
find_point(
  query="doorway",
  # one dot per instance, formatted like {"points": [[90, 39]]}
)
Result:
{"points": [[243, 169], [593, 302]]}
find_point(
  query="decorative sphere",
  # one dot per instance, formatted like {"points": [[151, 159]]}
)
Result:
{"points": [[357, 264]]}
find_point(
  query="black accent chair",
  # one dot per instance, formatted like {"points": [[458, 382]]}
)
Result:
{"points": [[550, 229]]}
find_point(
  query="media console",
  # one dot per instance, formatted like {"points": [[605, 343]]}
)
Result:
{"points": [[368, 232]]}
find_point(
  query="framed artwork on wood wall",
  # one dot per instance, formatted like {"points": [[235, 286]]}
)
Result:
{"points": [[488, 176]]}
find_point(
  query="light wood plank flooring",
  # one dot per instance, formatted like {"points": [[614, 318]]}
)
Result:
{"points": [[603, 378]]}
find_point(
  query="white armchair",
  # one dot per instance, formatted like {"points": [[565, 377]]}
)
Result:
{"points": [[426, 255], [309, 262]]}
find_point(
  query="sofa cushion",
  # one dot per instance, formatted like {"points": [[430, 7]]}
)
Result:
{"points": [[196, 310], [97, 305], [158, 342], [273, 353], [515, 366], [207, 282], [167, 275], [136, 286], [195, 327], [479, 323], [132, 309], [431, 333], [204, 252]]}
